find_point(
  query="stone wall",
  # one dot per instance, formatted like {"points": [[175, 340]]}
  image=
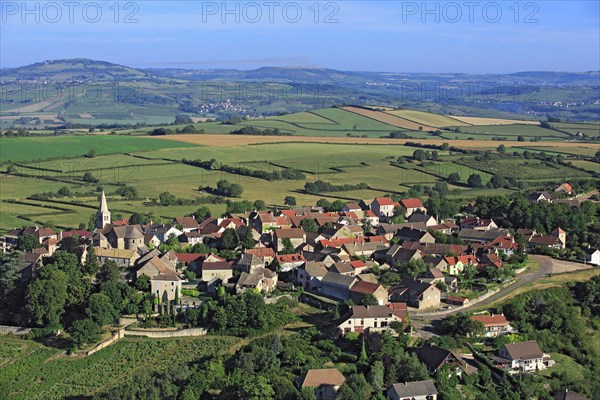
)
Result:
{"points": [[13, 330], [159, 334]]}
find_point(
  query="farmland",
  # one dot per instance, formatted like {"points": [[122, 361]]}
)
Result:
{"points": [[29, 370], [425, 118], [44, 148], [155, 169], [332, 144]]}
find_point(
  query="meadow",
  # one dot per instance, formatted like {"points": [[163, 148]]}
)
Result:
{"points": [[320, 147], [44, 148], [31, 371]]}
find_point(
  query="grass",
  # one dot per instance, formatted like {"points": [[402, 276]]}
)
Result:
{"points": [[34, 371], [565, 366], [545, 283], [44, 148], [528, 131]]}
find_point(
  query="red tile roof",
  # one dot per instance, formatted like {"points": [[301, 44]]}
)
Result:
{"points": [[78, 232], [384, 201], [491, 320], [358, 264], [464, 259], [289, 213], [411, 203], [262, 252], [187, 258], [364, 287], [285, 258]]}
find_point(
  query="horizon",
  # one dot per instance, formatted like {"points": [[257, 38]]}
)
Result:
{"points": [[302, 67], [434, 37]]}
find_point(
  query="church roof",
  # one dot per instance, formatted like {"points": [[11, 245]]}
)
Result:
{"points": [[103, 204]]}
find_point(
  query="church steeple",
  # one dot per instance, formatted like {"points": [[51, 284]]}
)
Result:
{"points": [[103, 214]]}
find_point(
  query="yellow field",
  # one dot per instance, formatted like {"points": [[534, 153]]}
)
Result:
{"points": [[390, 119], [494, 121], [243, 140], [426, 118]]}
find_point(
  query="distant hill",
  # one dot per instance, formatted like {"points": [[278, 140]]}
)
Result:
{"points": [[156, 95], [76, 69]]}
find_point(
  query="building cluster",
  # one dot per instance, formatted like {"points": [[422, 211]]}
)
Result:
{"points": [[339, 260]]}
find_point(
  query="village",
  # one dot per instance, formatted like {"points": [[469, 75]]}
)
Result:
{"points": [[381, 265]]}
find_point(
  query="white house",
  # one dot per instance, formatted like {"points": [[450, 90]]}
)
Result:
{"points": [[523, 356], [592, 256]]}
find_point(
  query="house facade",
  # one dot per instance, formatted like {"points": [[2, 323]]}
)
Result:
{"points": [[368, 319], [522, 356]]}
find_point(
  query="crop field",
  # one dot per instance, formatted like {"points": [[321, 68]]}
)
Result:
{"points": [[529, 170], [320, 148], [44, 148], [390, 119], [31, 371], [425, 118], [591, 129], [584, 150], [493, 121], [528, 131], [591, 166]]}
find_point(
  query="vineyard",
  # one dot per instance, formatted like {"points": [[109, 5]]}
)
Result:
{"points": [[29, 370]]}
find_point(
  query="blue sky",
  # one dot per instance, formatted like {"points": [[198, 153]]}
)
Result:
{"points": [[396, 36]]}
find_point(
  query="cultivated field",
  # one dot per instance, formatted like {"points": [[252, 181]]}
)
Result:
{"points": [[390, 119], [44, 148], [493, 121], [29, 370], [425, 118]]}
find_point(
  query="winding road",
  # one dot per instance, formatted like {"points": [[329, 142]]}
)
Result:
{"points": [[548, 266]]}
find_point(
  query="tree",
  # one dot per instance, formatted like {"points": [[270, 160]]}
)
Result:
{"points": [[128, 192], [462, 325], [288, 247], [225, 188], [27, 242], [46, 298], [137, 219], [324, 203], [229, 239], [309, 225], [377, 376], [369, 300], [109, 272], [64, 191], [501, 149], [91, 265], [355, 388], [167, 199], [90, 178], [441, 188], [100, 309], [143, 283], [8, 273], [520, 138], [202, 213], [260, 205], [91, 154], [419, 155], [84, 331], [289, 201], [248, 242], [454, 178], [475, 181]]}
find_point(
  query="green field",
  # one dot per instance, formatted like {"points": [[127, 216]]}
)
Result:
{"points": [[510, 131], [43, 148], [153, 171], [29, 370], [426, 118]]}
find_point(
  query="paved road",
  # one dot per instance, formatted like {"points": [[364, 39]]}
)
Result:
{"points": [[548, 265]]}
